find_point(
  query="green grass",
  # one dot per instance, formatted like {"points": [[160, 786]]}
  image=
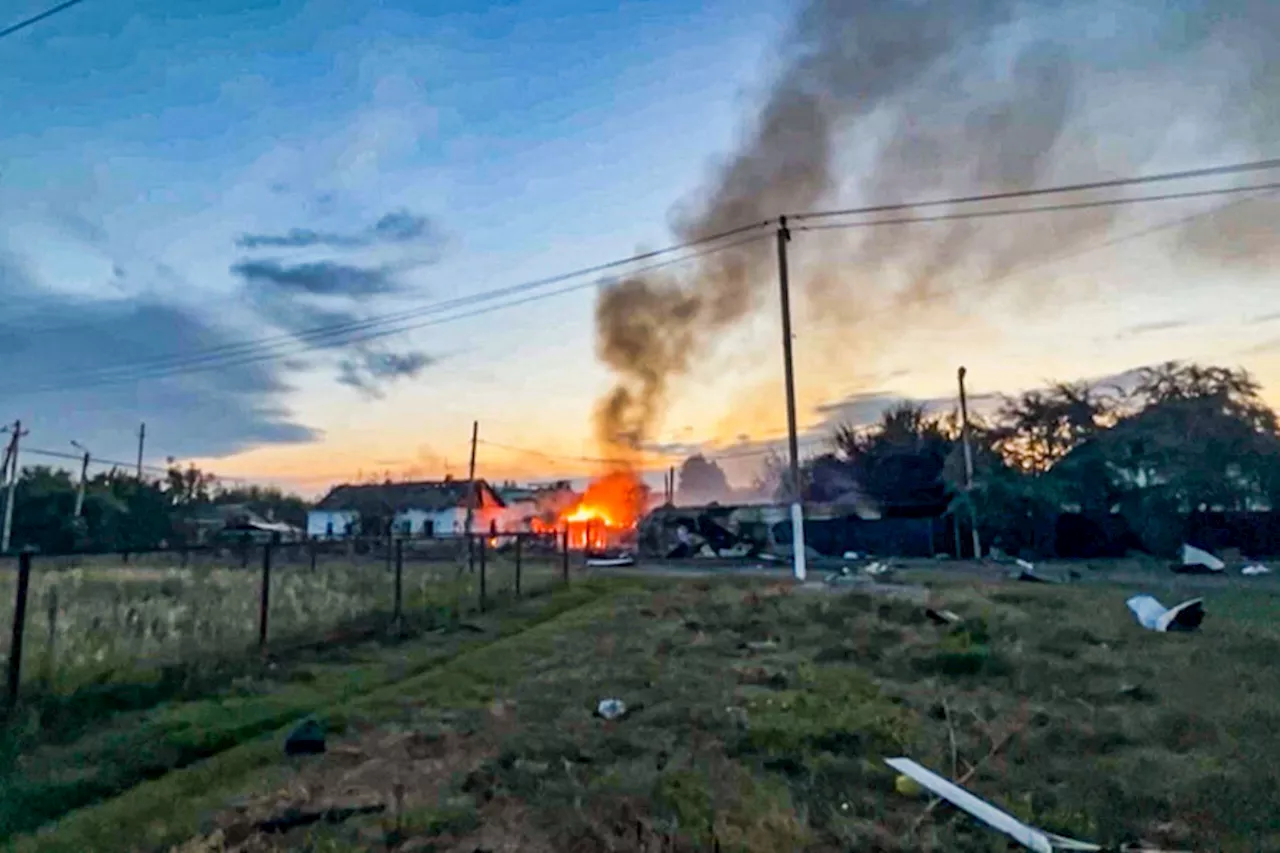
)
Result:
{"points": [[63, 754], [760, 722]]}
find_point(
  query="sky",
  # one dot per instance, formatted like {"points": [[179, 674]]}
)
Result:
{"points": [[182, 181]]}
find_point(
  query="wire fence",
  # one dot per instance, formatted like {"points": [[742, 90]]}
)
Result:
{"points": [[79, 620]]}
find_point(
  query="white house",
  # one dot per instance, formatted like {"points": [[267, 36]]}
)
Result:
{"points": [[428, 508]]}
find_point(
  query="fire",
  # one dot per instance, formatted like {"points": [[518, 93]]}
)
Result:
{"points": [[613, 502]]}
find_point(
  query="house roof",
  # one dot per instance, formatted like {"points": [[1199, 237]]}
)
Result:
{"points": [[429, 495]]}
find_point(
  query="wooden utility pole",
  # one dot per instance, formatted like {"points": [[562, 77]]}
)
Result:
{"points": [[142, 440], [794, 490], [471, 478], [968, 464], [11, 496], [84, 477]]}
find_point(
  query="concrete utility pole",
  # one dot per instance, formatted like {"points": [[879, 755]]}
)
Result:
{"points": [[84, 478], [11, 497], [142, 440], [968, 464], [795, 490]]}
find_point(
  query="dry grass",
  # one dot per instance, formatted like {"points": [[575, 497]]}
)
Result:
{"points": [[760, 719]]}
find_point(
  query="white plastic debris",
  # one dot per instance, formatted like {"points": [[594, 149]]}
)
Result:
{"points": [[611, 709], [610, 562], [1026, 564], [876, 569], [1193, 556], [852, 555], [1028, 836], [1154, 616], [1255, 569]]}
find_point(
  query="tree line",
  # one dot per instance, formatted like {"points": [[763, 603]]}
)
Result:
{"points": [[1182, 438], [121, 511]]}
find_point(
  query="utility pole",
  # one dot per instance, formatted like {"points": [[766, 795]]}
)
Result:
{"points": [[142, 440], [968, 464], [471, 480], [11, 497], [84, 477], [795, 491]]}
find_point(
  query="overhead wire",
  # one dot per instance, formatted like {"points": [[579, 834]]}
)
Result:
{"points": [[1049, 208], [1087, 186], [388, 325], [37, 18]]}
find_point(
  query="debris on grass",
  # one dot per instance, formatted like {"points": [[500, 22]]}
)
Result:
{"points": [[1028, 836], [1197, 561], [942, 617], [1154, 616], [306, 739], [610, 560], [1254, 570], [611, 709]]}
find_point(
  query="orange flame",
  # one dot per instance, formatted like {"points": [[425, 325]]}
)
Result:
{"points": [[613, 502]]}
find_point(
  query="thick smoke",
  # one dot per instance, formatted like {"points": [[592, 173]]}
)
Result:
{"points": [[938, 97]]}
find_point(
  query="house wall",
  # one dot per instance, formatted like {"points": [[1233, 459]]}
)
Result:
{"points": [[318, 522]]}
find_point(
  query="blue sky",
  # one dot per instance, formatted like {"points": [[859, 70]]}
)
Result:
{"points": [[142, 140]]}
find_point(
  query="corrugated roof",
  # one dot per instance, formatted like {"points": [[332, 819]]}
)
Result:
{"points": [[428, 495]]}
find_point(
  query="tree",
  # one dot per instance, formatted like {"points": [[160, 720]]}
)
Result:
{"points": [[702, 481], [899, 462]]}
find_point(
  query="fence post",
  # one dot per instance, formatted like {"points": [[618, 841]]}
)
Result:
{"points": [[399, 605], [244, 551], [51, 619], [483, 588], [519, 539], [312, 547], [565, 560], [19, 626], [264, 606], [184, 556]]}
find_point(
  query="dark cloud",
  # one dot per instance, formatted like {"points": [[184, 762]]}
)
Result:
{"points": [[61, 379], [370, 372], [398, 226], [318, 278]]}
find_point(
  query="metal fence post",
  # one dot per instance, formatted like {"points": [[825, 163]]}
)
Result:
{"points": [[264, 607], [312, 547], [19, 625], [565, 562], [399, 605], [519, 539], [483, 588]]}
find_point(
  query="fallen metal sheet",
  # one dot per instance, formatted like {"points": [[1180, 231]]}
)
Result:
{"points": [[1154, 616], [1028, 836], [1198, 557], [610, 562]]}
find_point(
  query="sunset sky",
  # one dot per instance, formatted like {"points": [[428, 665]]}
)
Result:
{"points": [[179, 182]]}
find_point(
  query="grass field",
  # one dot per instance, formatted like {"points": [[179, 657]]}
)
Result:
{"points": [[760, 715]]}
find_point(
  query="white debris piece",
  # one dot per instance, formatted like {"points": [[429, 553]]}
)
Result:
{"points": [[852, 555], [1026, 564], [1255, 569], [1154, 616], [611, 709], [610, 562], [1193, 556], [876, 569], [1028, 836]]}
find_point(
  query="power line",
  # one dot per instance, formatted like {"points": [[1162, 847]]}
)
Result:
{"points": [[234, 355], [35, 19], [1186, 174], [1048, 208]]}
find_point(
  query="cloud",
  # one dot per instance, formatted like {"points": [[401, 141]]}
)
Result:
{"points": [[72, 373], [1264, 318], [370, 372], [317, 278], [396, 227], [1152, 327]]}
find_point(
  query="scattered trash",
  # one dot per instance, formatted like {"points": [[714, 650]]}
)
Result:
{"points": [[1255, 569], [1027, 572], [1136, 692], [852, 555], [1196, 561], [295, 818], [1154, 616], [877, 569], [942, 617], [1028, 836], [611, 709], [742, 549], [306, 739]]}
